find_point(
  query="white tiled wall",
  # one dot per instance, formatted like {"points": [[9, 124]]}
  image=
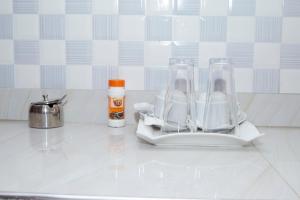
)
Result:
{"points": [[80, 44]]}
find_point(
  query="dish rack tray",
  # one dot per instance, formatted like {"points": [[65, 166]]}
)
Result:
{"points": [[247, 133]]}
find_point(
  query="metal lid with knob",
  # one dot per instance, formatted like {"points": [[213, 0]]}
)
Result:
{"points": [[46, 101]]}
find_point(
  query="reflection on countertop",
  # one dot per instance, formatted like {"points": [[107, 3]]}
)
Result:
{"points": [[98, 161]]}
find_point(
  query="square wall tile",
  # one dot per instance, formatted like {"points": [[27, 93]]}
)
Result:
{"points": [[213, 28], [291, 8], [105, 7], [79, 27], [105, 53], [214, 7], [53, 76], [6, 7], [290, 56], [291, 30], [79, 77], [159, 7], [52, 52], [6, 76], [26, 27], [267, 55], [105, 27], [186, 50], [78, 52], [131, 7], [269, 7], [186, 28], [266, 81], [7, 52], [6, 27], [243, 80], [101, 75], [26, 6], [158, 28], [27, 76], [289, 79], [78, 6], [156, 78], [52, 7], [134, 77], [27, 52], [186, 7], [52, 27], [241, 53], [209, 50], [242, 7], [241, 29], [132, 28], [157, 53], [268, 29], [131, 53]]}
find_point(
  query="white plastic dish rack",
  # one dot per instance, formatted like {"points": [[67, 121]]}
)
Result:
{"points": [[247, 133]]}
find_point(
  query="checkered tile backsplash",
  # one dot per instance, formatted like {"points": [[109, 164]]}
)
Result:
{"points": [[79, 44]]}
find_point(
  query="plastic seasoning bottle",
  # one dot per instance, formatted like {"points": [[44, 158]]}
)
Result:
{"points": [[116, 103]]}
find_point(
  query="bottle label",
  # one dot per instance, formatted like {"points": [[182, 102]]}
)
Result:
{"points": [[116, 107]]}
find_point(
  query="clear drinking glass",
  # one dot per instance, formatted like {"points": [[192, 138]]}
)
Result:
{"points": [[179, 105], [221, 108]]}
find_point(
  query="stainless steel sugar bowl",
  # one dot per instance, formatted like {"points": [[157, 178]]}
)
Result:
{"points": [[47, 113]]}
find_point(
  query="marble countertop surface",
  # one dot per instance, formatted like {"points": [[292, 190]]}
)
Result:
{"points": [[97, 162]]}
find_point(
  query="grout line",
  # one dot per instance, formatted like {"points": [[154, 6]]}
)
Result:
{"points": [[276, 171]]}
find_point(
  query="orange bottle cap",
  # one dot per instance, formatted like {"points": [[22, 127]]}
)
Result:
{"points": [[116, 83]]}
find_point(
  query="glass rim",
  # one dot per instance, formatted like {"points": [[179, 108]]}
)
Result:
{"points": [[227, 61], [181, 61]]}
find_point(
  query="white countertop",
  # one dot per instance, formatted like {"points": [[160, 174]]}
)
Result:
{"points": [[97, 161]]}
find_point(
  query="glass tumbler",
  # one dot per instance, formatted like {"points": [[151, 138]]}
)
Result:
{"points": [[221, 108], [179, 103]]}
